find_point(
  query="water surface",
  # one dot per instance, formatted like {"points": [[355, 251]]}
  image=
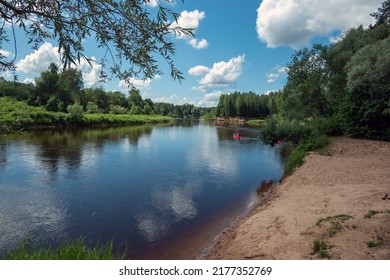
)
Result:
{"points": [[165, 191]]}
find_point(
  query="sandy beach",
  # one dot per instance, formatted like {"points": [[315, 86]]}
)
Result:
{"points": [[334, 206]]}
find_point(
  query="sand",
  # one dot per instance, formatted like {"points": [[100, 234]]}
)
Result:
{"points": [[323, 201]]}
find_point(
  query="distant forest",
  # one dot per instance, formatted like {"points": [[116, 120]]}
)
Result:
{"points": [[56, 89]]}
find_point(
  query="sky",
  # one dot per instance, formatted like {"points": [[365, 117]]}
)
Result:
{"points": [[239, 45]]}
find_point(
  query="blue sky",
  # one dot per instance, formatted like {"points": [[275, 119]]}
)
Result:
{"points": [[240, 45]]}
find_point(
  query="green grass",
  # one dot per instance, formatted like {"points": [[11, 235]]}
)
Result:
{"points": [[335, 223], [372, 213], [75, 250], [297, 157], [15, 115], [374, 243], [256, 123], [320, 247]]}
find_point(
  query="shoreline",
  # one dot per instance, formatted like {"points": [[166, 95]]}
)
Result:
{"points": [[320, 211]]}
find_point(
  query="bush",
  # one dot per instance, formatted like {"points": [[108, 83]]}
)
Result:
{"points": [[76, 112], [276, 129]]}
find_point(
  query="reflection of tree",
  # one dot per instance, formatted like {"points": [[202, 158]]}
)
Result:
{"points": [[67, 146], [3, 157]]}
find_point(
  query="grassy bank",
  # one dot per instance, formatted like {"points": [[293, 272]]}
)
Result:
{"points": [[309, 135], [257, 123], [75, 250], [15, 115]]}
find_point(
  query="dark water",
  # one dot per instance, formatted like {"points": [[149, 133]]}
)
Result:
{"points": [[165, 191]]}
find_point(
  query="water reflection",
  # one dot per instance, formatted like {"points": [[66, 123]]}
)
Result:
{"points": [[168, 206], [142, 184]]}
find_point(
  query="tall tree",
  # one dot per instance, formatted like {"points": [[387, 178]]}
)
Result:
{"points": [[124, 29]]}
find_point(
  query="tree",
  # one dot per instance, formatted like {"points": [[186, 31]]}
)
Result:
{"points": [[365, 110], [382, 16], [124, 29]]}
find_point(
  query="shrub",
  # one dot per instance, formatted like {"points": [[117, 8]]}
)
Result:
{"points": [[76, 112]]}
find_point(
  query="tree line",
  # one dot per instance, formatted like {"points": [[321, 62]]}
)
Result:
{"points": [[56, 90], [341, 88], [247, 104]]}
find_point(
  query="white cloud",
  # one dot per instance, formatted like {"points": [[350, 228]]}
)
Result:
{"points": [[295, 22], [28, 81], [276, 72], [210, 99], [139, 84], [39, 60], [91, 73], [174, 99], [199, 70], [189, 19], [199, 45], [5, 53], [222, 73], [152, 3]]}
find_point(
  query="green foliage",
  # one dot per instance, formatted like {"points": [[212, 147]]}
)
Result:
{"points": [[374, 243], [372, 213], [76, 112], [116, 109], [364, 112], [75, 250], [248, 105], [320, 247], [277, 128], [335, 223], [92, 108], [17, 114], [124, 29]]}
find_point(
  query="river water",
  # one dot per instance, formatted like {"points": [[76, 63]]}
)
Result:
{"points": [[163, 192]]}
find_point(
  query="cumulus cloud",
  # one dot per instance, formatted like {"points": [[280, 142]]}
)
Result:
{"points": [[175, 99], [275, 73], [191, 20], [294, 22], [199, 45], [91, 73], [210, 99], [199, 70], [139, 84], [222, 73], [40, 59]]}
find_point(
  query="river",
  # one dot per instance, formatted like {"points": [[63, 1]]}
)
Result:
{"points": [[163, 192]]}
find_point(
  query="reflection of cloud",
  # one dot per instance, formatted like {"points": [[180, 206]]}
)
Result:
{"points": [[169, 206], [209, 153], [28, 212]]}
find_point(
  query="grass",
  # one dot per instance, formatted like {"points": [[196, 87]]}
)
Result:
{"points": [[256, 123], [335, 222], [372, 213], [75, 250], [320, 247], [374, 243], [15, 115], [297, 157]]}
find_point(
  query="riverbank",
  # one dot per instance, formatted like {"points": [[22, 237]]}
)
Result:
{"points": [[334, 206], [17, 115]]}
